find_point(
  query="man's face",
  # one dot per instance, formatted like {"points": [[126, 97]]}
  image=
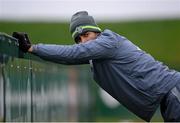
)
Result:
{"points": [[87, 36]]}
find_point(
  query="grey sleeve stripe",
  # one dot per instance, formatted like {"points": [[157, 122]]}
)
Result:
{"points": [[176, 93]]}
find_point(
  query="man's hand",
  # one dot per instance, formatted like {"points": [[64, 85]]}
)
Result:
{"points": [[24, 42]]}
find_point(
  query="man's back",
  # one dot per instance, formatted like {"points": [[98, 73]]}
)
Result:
{"points": [[133, 77]]}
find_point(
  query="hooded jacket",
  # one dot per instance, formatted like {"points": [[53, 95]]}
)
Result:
{"points": [[130, 75]]}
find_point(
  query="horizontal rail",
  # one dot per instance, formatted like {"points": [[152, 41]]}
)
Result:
{"points": [[8, 42]]}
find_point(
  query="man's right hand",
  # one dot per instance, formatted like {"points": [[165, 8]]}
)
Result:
{"points": [[24, 42]]}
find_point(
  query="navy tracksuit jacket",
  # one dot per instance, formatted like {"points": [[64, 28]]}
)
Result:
{"points": [[128, 74]]}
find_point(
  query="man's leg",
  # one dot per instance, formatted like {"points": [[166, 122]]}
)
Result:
{"points": [[170, 105]]}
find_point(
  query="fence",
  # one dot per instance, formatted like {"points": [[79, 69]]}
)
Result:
{"points": [[34, 90]]}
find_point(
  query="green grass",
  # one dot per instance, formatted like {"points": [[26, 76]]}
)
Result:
{"points": [[159, 38]]}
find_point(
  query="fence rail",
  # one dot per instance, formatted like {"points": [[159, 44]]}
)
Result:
{"points": [[9, 45]]}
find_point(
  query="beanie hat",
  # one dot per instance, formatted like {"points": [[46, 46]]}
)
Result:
{"points": [[80, 23]]}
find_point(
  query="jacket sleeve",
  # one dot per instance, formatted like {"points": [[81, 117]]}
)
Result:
{"points": [[102, 47]]}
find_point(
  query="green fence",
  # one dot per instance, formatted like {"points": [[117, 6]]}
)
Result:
{"points": [[35, 90]]}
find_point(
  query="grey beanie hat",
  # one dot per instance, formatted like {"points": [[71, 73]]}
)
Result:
{"points": [[80, 23]]}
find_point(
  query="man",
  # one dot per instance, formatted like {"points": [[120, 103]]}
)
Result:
{"points": [[127, 73]]}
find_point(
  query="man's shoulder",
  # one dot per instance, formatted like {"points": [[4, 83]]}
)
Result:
{"points": [[112, 33], [107, 31], [109, 34]]}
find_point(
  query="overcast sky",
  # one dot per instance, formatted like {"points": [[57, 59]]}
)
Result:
{"points": [[57, 10]]}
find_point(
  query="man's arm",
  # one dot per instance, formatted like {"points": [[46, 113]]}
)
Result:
{"points": [[30, 50], [26, 46], [100, 48]]}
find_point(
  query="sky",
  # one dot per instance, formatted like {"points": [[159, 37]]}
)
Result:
{"points": [[101, 10]]}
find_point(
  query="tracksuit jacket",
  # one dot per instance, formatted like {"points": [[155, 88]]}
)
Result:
{"points": [[130, 75]]}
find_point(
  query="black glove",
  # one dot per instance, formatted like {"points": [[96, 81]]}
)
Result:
{"points": [[24, 42]]}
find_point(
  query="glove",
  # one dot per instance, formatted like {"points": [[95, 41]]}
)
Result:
{"points": [[23, 40]]}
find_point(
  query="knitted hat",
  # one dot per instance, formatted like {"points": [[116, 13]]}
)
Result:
{"points": [[80, 23]]}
